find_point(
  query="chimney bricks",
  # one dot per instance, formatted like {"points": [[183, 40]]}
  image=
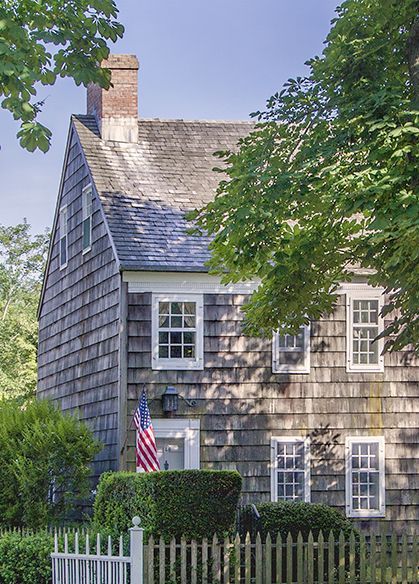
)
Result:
{"points": [[116, 109]]}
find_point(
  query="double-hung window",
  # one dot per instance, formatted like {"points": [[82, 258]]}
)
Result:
{"points": [[63, 234], [290, 469], [364, 324], [291, 353], [87, 208], [365, 476], [177, 331]]}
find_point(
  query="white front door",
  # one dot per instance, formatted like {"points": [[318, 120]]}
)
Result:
{"points": [[177, 442]]}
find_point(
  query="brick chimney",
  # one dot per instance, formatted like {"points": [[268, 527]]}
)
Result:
{"points": [[116, 109]]}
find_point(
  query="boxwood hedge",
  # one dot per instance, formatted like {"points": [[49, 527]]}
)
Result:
{"points": [[193, 503], [293, 517], [25, 559]]}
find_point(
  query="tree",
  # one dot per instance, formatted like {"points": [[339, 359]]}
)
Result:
{"points": [[44, 463], [22, 259], [76, 30], [329, 179]]}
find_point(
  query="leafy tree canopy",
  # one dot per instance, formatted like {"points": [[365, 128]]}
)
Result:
{"points": [[43, 40], [22, 259], [328, 180]]}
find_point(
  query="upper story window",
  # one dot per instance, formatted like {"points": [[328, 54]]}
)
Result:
{"points": [[63, 243], [291, 353], [364, 324], [290, 469], [177, 331], [87, 209], [365, 476]]}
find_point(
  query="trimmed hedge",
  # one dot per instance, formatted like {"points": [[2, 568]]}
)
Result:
{"points": [[193, 503], [25, 559], [293, 517]]}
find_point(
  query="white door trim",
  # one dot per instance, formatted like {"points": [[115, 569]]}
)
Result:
{"points": [[186, 428]]}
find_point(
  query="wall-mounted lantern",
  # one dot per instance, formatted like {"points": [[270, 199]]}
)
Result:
{"points": [[170, 400]]}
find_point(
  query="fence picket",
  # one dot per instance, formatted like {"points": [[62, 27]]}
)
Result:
{"points": [[172, 560], [247, 559], [300, 568], [383, 558], [404, 559], [237, 559], [373, 558], [162, 561], [289, 559], [362, 559], [310, 559], [215, 557], [194, 562], [205, 561], [183, 565], [320, 558], [278, 558], [150, 560], [352, 570], [341, 576], [394, 559], [268, 559], [227, 560], [258, 560]]}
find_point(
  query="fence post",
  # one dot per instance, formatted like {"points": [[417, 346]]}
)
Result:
{"points": [[136, 551]]}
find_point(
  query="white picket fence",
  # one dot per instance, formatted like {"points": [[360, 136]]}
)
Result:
{"points": [[73, 566]]}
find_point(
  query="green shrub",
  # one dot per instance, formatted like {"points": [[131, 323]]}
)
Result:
{"points": [[44, 463], [25, 559], [193, 503], [293, 517]]}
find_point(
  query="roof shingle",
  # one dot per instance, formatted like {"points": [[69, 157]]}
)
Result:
{"points": [[146, 188]]}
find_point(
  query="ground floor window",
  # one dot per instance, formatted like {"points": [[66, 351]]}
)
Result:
{"points": [[365, 476], [290, 469]]}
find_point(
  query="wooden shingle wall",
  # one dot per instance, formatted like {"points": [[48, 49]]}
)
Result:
{"points": [[241, 404], [79, 321]]}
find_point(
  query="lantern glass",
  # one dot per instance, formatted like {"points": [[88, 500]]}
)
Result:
{"points": [[170, 400]]}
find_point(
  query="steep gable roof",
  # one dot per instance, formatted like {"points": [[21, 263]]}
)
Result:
{"points": [[146, 188]]}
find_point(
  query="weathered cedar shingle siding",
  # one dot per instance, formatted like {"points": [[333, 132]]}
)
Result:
{"points": [[241, 404], [79, 320]]}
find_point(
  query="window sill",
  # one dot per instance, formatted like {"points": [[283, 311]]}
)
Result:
{"points": [[177, 365]]}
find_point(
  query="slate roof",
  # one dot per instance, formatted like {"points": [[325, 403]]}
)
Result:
{"points": [[146, 188]]}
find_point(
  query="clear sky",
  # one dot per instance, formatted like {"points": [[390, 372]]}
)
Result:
{"points": [[199, 59]]}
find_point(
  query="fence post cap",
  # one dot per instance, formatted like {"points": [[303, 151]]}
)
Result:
{"points": [[136, 521]]}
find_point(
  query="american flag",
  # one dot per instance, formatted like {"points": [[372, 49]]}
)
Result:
{"points": [[146, 449]]}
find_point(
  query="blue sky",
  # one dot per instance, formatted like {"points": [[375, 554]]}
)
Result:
{"points": [[213, 59]]}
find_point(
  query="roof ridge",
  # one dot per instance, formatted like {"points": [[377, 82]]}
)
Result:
{"points": [[184, 120]]}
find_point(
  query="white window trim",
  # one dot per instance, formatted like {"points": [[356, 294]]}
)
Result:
{"points": [[177, 364], [186, 428], [85, 216], [365, 513], [364, 294], [274, 465], [63, 210], [289, 367]]}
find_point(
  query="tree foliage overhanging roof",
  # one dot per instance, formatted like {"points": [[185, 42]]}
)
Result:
{"points": [[43, 40], [329, 180]]}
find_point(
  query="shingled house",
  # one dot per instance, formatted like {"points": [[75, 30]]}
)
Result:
{"points": [[127, 300]]}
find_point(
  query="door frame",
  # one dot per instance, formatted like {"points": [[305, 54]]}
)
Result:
{"points": [[186, 428]]}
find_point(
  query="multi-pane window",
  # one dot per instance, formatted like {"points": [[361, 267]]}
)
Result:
{"points": [[290, 479], [63, 234], [87, 208], [291, 353], [177, 332], [365, 476], [364, 325]]}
